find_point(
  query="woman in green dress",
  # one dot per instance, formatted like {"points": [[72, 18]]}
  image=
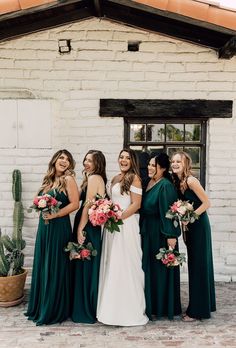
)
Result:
{"points": [[86, 273], [49, 300], [162, 284], [198, 241]]}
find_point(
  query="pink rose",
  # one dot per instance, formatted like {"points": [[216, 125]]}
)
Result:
{"points": [[53, 201], [101, 219], [85, 253], [110, 214], [36, 201], [164, 261], [174, 208], [171, 257]]}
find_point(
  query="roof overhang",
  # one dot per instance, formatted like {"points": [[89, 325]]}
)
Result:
{"points": [[128, 12]]}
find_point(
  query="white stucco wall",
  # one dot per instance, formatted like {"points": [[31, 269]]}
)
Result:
{"points": [[99, 66]]}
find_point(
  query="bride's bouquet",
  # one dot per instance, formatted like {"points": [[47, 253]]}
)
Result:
{"points": [[103, 211]]}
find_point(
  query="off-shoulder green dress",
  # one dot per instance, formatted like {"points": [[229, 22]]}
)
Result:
{"points": [[162, 284], [49, 300]]}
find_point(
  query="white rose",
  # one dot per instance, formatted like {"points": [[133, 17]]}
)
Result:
{"points": [[42, 203], [182, 210]]}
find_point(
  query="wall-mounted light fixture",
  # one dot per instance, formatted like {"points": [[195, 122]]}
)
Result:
{"points": [[64, 46]]}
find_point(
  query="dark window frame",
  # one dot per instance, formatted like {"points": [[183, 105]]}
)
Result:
{"points": [[201, 144], [183, 110]]}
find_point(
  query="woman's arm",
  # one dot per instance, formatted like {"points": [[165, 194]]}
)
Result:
{"points": [[73, 195], [94, 187], [197, 188], [135, 200]]}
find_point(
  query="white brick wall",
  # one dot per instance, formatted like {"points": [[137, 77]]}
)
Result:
{"points": [[99, 66]]}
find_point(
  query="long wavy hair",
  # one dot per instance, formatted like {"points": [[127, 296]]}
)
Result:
{"points": [[181, 183], [128, 178], [99, 162], [164, 162], [51, 180]]}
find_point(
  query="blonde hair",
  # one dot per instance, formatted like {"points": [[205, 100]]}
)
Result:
{"points": [[182, 183], [51, 180]]}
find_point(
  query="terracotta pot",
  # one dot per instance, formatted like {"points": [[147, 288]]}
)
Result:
{"points": [[12, 289]]}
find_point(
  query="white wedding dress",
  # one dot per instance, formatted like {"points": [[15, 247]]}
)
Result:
{"points": [[121, 298]]}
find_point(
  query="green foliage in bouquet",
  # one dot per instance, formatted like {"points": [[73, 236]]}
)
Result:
{"points": [[11, 255], [80, 251]]}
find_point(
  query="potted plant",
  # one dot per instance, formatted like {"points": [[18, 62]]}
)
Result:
{"points": [[12, 273]]}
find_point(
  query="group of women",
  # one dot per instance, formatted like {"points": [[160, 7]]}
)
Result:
{"points": [[124, 284]]}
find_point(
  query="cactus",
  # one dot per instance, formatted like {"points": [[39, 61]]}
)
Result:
{"points": [[11, 255]]}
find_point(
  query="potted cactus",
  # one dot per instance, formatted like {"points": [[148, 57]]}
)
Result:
{"points": [[12, 273]]}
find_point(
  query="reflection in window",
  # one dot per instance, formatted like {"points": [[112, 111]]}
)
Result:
{"points": [[137, 132], [174, 132], [154, 136], [156, 132], [192, 132]]}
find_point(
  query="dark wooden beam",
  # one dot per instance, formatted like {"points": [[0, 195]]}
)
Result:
{"points": [[166, 108], [177, 28], [229, 49], [44, 18]]}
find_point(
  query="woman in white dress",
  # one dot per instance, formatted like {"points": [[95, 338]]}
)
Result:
{"points": [[121, 299]]}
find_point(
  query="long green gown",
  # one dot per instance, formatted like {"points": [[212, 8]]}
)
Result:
{"points": [[200, 264], [49, 300], [162, 284], [85, 274]]}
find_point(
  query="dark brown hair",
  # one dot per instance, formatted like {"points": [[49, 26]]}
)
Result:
{"points": [[130, 174]]}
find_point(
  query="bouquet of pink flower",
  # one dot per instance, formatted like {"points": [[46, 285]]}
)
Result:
{"points": [[80, 251], [45, 203], [181, 211], [103, 211], [170, 257]]}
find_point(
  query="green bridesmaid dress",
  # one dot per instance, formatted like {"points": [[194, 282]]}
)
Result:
{"points": [[49, 300], [200, 264], [162, 284], [85, 274]]}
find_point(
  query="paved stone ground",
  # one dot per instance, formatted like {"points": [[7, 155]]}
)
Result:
{"points": [[220, 331]]}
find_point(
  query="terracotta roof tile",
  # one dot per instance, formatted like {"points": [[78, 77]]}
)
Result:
{"points": [[7, 6], [32, 3], [196, 10], [189, 8]]}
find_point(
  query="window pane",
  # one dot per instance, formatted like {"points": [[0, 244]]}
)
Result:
{"points": [[154, 150], [137, 148], [194, 153], [192, 132], [156, 132], [171, 150], [137, 132], [174, 132]]}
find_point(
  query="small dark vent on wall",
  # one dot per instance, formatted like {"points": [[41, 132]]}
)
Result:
{"points": [[133, 46]]}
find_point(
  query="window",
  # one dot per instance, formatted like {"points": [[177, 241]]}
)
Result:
{"points": [[168, 125], [153, 136]]}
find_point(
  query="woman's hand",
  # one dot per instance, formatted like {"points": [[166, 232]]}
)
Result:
{"points": [[171, 242], [80, 237], [48, 216]]}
